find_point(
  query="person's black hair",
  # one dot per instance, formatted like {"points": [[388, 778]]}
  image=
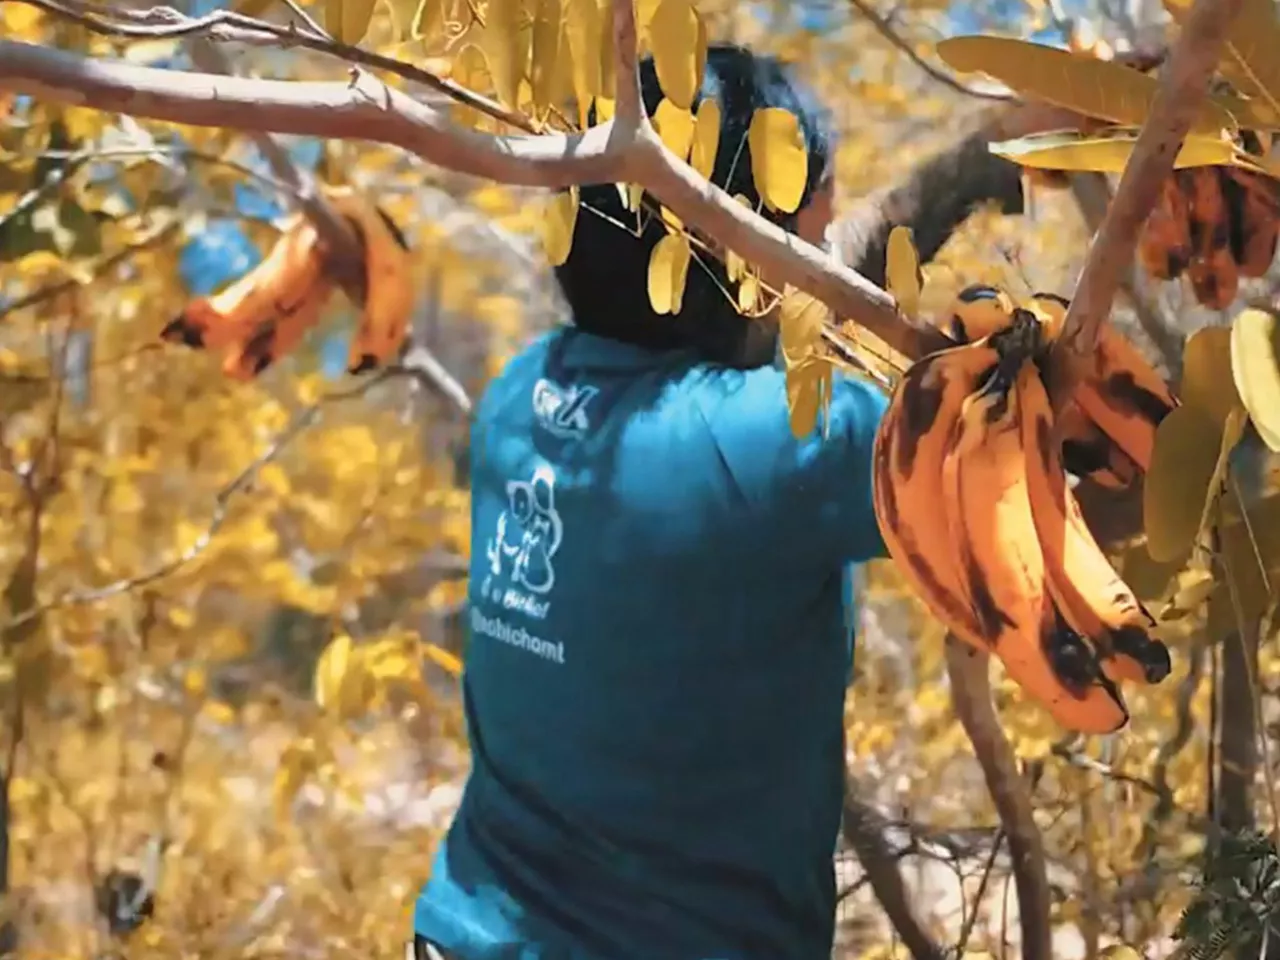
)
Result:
{"points": [[605, 279]]}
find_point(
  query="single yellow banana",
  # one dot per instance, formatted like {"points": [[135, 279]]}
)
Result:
{"points": [[989, 521], [390, 295], [1093, 598], [290, 267], [907, 465]]}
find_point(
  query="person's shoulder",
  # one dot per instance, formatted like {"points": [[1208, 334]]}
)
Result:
{"points": [[519, 372]]}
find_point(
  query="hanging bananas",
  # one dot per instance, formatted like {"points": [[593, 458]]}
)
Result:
{"points": [[1108, 427], [1214, 225], [266, 314], [1010, 567]]}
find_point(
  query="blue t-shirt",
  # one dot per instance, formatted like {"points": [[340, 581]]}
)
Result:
{"points": [[657, 662]]}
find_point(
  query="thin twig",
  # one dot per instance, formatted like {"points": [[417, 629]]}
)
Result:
{"points": [[221, 509], [886, 30]]}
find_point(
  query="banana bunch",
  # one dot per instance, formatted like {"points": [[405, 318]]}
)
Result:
{"points": [[1216, 225], [971, 496], [265, 314]]}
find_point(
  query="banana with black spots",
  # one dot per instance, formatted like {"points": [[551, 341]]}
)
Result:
{"points": [[989, 519], [1092, 597], [910, 444], [389, 290], [288, 271]]}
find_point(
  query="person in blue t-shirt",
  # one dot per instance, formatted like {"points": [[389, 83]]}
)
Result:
{"points": [[660, 637]]}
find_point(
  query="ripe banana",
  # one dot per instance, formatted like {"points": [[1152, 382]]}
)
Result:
{"points": [[1164, 246], [906, 464], [987, 503], [279, 334], [1123, 395], [1213, 273], [1093, 599], [389, 292], [1254, 206], [289, 269]]}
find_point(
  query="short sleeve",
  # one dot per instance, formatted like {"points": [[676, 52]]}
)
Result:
{"points": [[837, 471]]}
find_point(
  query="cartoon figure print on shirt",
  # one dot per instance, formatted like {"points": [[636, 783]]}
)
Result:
{"points": [[522, 551]]}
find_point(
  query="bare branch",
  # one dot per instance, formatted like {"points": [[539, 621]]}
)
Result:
{"points": [[1182, 88], [227, 26], [968, 671], [886, 30], [367, 109], [630, 110]]}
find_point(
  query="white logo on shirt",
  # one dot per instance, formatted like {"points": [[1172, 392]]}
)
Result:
{"points": [[562, 410], [522, 549]]}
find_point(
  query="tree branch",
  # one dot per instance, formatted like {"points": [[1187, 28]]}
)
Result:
{"points": [[367, 109], [1182, 88], [968, 671]]}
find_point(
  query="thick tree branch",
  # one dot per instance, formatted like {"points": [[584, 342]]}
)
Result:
{"points": [[1182, 88], [367, 109], [968, 671], [864, 829]]}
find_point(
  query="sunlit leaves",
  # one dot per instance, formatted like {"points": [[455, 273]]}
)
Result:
{"points": [[668, 273], [1249, 61], [1178, 482], [779, 160], [1105, 151], [562, 215], [706, 137], [1101, 89], [348, 20], [1255, 366], [675, 39], [675, 126], [902, 270], [801, 319]]}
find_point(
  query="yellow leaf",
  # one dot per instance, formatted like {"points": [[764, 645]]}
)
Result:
{"points": [[1255, 367], [561, 218], [748, 292], [706, 137], [674, 39], [584, 32], [1207, 382], [808, 393], [1096, 88], [506, 48], [801, 317], [1178, 482], [297, 762], [675, 126], [21, 22], [668, 272], [1232, 431], [348, 20], [1249, 59], [1104, 152], [902, 270], [545, 64], [429, 21], [779, 161], [443, 659], [735, 266], [331, 670]]}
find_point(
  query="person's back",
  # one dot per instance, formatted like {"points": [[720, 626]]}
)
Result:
{"points": [[658, 653]]}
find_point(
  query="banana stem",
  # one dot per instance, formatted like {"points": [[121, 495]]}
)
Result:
{"points": [[968, 671]]}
